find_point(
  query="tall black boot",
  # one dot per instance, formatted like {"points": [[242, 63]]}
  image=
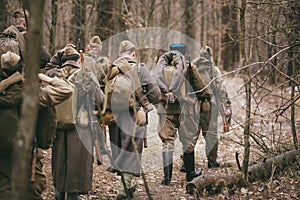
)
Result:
{"points": [[168, 167], [59, 195], [189, 163]]}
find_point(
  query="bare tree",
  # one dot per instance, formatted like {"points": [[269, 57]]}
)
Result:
{"points": [[3, 14], [79, 22], [24, 138], [247, 82], [53, 26], [293, 38]]}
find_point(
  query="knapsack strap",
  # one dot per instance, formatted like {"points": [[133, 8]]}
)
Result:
{"points": [[72, 75]]}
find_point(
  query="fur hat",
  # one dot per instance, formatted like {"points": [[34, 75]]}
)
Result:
{"points": [[126, 45], [179, 47], [206, 52], [19, 13], [9, 59], [70, 50]]}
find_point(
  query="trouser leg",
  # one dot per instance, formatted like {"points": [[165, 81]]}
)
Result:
{"points": [[131, 189], [209, 125]]}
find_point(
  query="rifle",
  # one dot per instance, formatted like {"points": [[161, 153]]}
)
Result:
{"points": [[24, 10], [80, 50], [93, 126], [220, 107], [33, 160]]}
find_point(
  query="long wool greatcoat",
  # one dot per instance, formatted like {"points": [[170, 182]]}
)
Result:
{"points": [[72, 155]]}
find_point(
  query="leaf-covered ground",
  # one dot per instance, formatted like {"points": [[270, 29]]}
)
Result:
{"points": [[285, 185]]}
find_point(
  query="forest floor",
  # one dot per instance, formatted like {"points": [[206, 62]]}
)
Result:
{"points": [[284, 185]]}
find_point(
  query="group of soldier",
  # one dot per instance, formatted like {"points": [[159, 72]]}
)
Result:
{"points": [[181, 92]]}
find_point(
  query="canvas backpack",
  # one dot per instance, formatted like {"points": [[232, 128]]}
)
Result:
{"points": [[66, 111], [120, 92], [168, 74], [11, 39], [120, 88]]}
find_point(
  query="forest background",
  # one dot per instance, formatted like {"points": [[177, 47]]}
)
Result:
{"points": [[257, 41]]}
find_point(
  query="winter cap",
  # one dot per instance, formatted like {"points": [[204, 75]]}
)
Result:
{"points": [[70, 50], [206, 52], [179, 47], [19, 13], [9, 59], [126, 45]]}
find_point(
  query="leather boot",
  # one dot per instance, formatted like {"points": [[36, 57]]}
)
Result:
{"points": [[189, 163], [59, 195], [72, 196], [168, 167]]}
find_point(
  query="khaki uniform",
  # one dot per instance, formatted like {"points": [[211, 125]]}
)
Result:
{"points": [[209, 120], [178, 111], [176, 116]]}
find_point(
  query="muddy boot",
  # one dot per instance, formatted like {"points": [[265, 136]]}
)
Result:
{"points": [[213, 164], [189, 163], [168, 167]]}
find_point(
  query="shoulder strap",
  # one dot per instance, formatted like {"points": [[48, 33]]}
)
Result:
{"points": [[72, 75]]}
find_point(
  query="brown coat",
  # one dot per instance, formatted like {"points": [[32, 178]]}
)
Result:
{"points": [[72, 153], [10, 103]]}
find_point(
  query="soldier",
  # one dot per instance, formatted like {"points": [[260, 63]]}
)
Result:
{"points": [[10, 102], [72, 158], [99, 67], [176, 109], [209, 119], [126, 154], [19, 30]]}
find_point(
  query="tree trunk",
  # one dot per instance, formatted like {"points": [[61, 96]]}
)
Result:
{"points": [[24, 138], [231, 51], [54, 8], [79, 22], [260, 171], [293, 36], [247, 82], [3, 15], [189, 19]]}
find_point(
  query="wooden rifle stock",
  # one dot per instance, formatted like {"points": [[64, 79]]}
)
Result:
{"points": [[97, 147], [223, 115]]}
